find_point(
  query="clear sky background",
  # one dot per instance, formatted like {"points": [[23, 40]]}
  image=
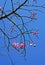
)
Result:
{"points": [[34, 55]]}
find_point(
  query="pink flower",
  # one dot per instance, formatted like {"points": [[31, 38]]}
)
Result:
{"points": [[14, 44], [33, 15], [35, 33], [22, 45], [0, 8]]}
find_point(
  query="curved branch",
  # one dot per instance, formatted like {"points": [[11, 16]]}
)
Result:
{"points": [[13, 10]]}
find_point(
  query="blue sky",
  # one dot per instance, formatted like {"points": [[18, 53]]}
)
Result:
{"points": [[34, 55]]}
